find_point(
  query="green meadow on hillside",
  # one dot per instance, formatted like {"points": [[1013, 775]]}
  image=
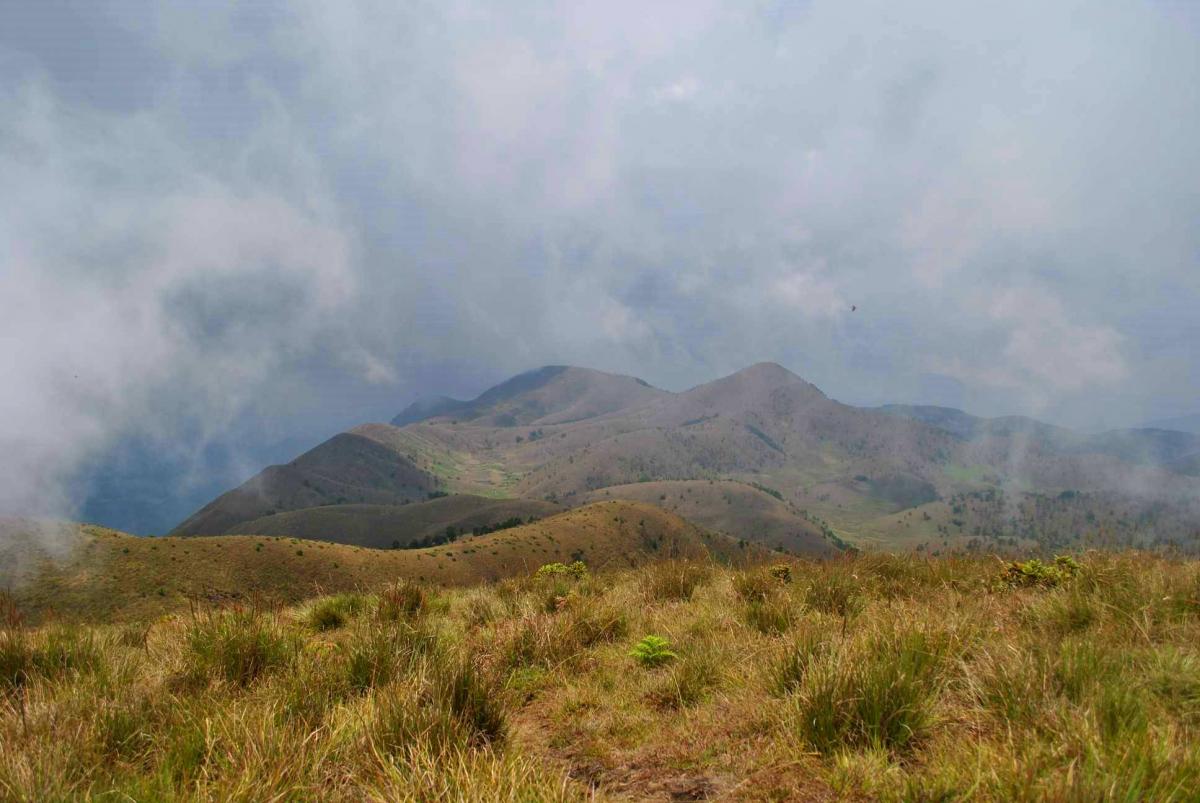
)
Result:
{"points": [[872, 677]]}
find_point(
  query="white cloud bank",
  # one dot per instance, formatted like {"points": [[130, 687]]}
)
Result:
{"points": [[320, 209]]}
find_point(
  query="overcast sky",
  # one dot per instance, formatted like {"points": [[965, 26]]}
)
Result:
{"points": [[244, 222]]}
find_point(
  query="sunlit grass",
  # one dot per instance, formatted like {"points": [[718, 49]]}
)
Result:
{"points": [[895, 678]]}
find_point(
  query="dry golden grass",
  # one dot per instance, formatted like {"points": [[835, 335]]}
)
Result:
{"points": [[112, 576], [894, 678]]}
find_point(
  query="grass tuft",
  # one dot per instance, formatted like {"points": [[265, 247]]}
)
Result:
{"points": [[331, 613], [237, 646]]}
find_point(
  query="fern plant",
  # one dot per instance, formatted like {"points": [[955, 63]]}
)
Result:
{"points": [[653, 651]]}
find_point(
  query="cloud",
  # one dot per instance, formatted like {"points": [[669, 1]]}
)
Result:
{"points": [[678, 91], [141, 309], [811, 294], [286, 217], [1044, 352]]}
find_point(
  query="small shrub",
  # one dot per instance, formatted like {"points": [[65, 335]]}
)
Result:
{"points": [[576, 570], [781, 572], [1034, 573], [653, 651]]}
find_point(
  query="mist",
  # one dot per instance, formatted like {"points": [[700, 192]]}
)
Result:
{"points": [[228, 230]]}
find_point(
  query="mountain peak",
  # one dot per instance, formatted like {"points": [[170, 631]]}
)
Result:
{"points": [[752, 387], [763, 375], [772, 371], [551, 394]]}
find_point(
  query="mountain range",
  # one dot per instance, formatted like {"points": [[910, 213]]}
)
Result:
{"points": [[761, 455]]}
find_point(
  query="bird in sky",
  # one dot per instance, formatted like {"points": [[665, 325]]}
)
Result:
{"points": [[853, 308]]}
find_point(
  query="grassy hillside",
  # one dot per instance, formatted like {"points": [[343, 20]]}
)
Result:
{"points": [[394, 526], [996, 521], [109, 575], [733, 508], [876, 678], [347, 468]]}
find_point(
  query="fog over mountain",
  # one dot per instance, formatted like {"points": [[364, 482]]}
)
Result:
{"points": [[230, 231]]}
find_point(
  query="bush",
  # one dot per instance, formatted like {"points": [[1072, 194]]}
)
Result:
{"points": [[1035, 573], [653, 651], [576, 571], [781, 572]]}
